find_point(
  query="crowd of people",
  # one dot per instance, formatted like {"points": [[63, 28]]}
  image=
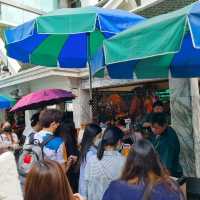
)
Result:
{"points": [[95, 169]]}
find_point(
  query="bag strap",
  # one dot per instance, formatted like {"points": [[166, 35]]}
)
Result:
{"points": [[1, 137], [31, 138], [49, 138]]}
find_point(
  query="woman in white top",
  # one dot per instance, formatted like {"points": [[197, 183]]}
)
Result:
{"points": [[104, 167], [8, 139]]}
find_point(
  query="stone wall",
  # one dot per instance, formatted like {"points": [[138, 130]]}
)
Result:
{"points": [[185, 113], [181, 114]]}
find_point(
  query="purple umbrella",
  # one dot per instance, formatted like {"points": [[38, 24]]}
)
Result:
{"points": [[42, 98]]}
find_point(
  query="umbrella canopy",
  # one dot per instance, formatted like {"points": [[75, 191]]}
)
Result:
{"points": [[68, 38], [157, 45], [6, 102], [42, 98]]}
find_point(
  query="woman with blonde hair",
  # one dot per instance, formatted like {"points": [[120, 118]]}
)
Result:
{"points": [[47, 180]]}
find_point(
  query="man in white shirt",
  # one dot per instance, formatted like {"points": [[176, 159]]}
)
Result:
{"points": [[55, 149]]}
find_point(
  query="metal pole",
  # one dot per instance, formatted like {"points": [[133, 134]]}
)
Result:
{"points": [[90, 73]]}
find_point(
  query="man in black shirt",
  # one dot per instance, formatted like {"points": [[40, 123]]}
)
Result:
{"points": [[166, 143]]}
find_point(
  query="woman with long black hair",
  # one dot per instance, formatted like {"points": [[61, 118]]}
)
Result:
{"points": [[68, 132], [143, 177], [106, 166], [90, 141]]}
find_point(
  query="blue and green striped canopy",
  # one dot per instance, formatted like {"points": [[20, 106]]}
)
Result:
{"points": [[60, 38], [169, 42], [6, 102]]}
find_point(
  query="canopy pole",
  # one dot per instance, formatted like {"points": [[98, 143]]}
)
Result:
{"points": [[90, 74]]}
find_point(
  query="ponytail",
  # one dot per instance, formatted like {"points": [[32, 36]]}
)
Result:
{"points": [[110, 137], [100, 149]]}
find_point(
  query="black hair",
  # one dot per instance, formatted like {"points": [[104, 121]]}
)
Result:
{"points": [[90, 132], [159, 118], [121, 122], [35, 119], [111, 137], [68, 132], [158, 103], [67, 117], [49, 116]]}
